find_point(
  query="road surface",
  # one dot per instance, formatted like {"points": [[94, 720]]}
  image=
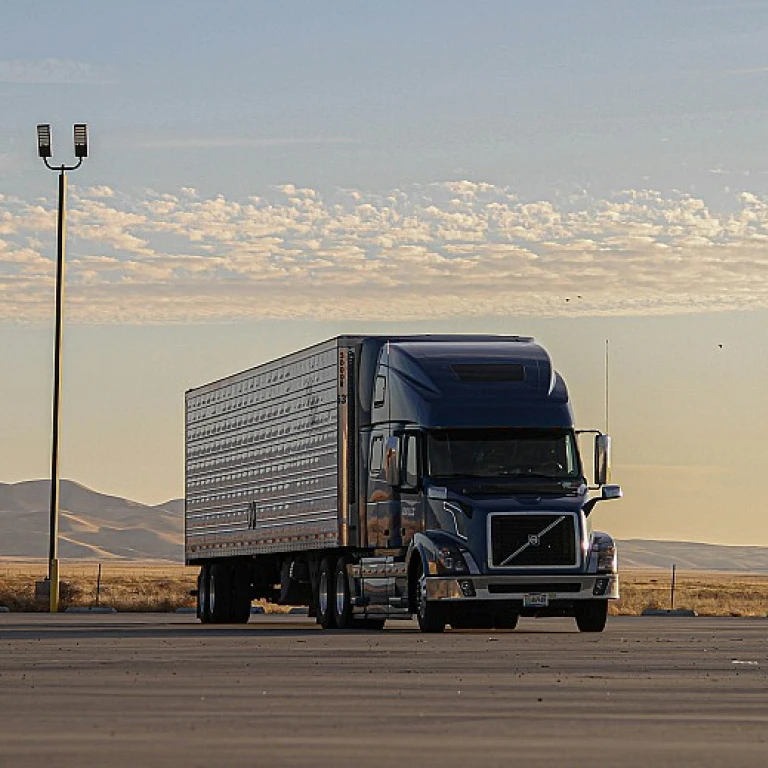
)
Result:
{"points": [[145, 690]]}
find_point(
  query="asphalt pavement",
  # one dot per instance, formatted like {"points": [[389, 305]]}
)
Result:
{"points": [[150, 690]]}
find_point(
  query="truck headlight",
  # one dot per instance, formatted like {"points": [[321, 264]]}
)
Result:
{"points": [[450, 560], [606, 559]]}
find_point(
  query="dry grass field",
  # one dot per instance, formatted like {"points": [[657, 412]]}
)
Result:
{"points": [[152, 586], [131, 586], [707, 593]]}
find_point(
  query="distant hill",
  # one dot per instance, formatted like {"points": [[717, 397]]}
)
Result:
{"points": [[96, 526], [689, 555], [92, 525]]}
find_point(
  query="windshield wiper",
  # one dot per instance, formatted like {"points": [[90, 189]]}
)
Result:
{"points": [[538, 476], [504, 484]]}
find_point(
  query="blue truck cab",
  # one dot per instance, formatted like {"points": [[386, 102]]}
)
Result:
{"points": [[477, 501]]}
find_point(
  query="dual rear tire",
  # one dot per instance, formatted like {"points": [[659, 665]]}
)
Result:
{"points": [[333, 598], [224, 593]]}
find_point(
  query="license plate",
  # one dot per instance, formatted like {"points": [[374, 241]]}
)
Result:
{"points": [[535, 600]]}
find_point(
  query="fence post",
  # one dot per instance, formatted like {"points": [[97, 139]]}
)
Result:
{"points": [[672, 596]]}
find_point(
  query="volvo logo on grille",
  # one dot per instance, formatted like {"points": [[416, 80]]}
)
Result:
{"points": [[533, 539]]}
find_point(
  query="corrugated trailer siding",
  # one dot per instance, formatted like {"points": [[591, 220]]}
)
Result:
{"points": [[262, 457]]}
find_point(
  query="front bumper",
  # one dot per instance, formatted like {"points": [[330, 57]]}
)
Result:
{"points": [[522, 590]]}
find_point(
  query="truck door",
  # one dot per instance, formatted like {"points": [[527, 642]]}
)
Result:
{"points": [[411, 497], [380, 498]]}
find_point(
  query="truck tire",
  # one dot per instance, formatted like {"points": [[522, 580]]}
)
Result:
{"points": [[220, 594], [241, 593], [202, 594], [325, 598], [430, 615], [505, 620], [342, 597], [591, 615]]}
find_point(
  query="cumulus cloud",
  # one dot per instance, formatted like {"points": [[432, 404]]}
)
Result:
{"points": [[250, 142], [454, 249]]}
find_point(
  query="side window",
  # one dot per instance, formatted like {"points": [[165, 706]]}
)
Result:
{"points": [[377, 452], [411, 461], [380, 391]]}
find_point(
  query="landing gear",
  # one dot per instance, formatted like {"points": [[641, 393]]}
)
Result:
{"points": [[591, 615]]}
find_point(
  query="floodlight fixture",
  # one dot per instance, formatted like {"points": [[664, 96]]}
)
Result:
{"points": [[81, 140], [44, 140]]}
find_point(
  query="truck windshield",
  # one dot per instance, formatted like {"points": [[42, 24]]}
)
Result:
{"points": [[502, 452]]}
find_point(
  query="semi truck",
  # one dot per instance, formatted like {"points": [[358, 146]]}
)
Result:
{"points": [[373, 478]]}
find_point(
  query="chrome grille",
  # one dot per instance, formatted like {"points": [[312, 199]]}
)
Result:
{"points": [[531, 541]]}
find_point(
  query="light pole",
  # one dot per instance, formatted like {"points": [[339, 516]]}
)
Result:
{"points": [[81, 152]]}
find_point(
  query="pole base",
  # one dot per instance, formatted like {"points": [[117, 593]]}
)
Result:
{"points": [[54, 586]]}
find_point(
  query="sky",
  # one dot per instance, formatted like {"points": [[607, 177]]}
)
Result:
{"points": [[263, 176]]}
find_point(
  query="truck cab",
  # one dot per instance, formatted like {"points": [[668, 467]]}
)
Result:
{"points": [[477, 502]]}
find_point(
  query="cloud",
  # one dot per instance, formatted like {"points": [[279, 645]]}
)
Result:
{"points": [[42, 71], [455, 249], [239, 142], [752, 71]]}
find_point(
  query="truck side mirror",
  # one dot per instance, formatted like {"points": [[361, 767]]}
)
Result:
{"points": [[602, 459], [392, 461], [607, 492]]}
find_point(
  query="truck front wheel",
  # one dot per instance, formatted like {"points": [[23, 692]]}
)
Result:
{"points": [[505, 620], [591, 615], [430, 615]]}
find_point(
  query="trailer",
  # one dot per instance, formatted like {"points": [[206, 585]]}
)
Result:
{"points": [[381, 477]]}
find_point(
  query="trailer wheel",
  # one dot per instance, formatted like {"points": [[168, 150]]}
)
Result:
{"points": [[325, 594], [220, 593], [591, 615], [430, 616], [241, 593], [202, 594], [342, 597]]}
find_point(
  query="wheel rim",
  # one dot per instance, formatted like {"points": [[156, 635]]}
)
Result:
{"points": [[341, 594], [322, 598], [202, 596], [211, 594], [421, 596]]}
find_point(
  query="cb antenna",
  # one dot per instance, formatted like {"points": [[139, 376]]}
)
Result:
{"points": [[607, 382]]}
